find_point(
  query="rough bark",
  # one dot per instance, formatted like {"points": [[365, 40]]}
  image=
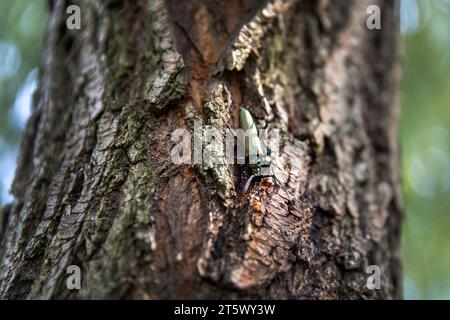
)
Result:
{"points": [[95, 186]]}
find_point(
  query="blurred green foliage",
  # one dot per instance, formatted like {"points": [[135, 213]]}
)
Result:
{"points": [[22, 28], [425, 126], [425, 140]]}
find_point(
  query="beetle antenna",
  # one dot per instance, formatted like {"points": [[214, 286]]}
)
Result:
{"points": [[266, 118], [231, 129], [228, 125], [277, 180]]}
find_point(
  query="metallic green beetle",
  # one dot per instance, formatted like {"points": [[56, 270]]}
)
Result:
{"points": [[254, 150]]}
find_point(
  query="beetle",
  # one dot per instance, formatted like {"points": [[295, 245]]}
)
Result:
{"points": [[259, 168]]}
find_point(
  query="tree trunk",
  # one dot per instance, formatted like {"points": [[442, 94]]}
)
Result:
{"points": [[95, 185]]}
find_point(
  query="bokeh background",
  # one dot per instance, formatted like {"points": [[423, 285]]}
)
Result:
{"points": [[425, 126]]}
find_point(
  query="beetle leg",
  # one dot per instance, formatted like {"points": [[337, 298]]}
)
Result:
{"points": [[253, 176], [277, 180], [271, 174]]}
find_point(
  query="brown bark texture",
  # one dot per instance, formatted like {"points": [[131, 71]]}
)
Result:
{"points": [[95, 185]]}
